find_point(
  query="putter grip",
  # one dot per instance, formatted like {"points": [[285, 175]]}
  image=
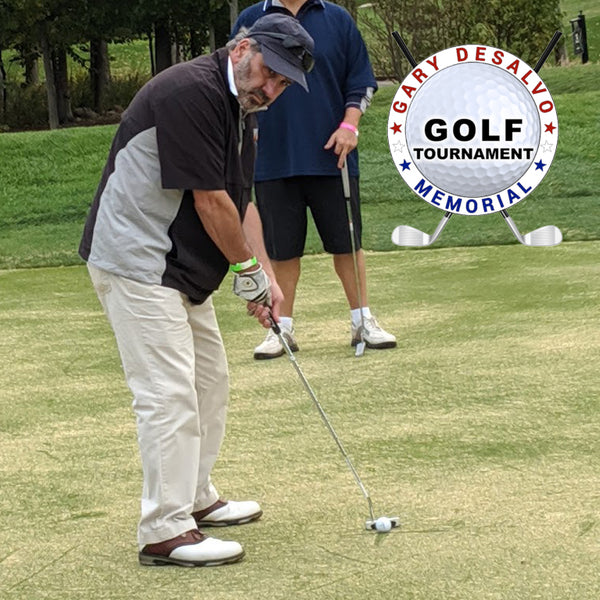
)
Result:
{"points": [[346, 180], [274, 324]]}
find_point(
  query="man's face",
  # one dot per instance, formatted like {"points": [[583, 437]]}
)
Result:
{"points": [[257, 85]]}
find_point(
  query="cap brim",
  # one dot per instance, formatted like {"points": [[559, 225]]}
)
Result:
{"points": [[278, 64]]}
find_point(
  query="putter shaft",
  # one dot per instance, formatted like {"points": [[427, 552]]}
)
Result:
{"points": [[277, 330], [360, 347]]}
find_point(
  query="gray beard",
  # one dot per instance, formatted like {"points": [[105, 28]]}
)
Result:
{"points": [[242, 73]]}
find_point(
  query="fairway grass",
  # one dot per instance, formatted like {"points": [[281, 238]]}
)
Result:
{"points": [[48, 180], [481, 431]]}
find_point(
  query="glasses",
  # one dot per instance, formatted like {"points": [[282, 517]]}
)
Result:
{"points": [[290, 43]]}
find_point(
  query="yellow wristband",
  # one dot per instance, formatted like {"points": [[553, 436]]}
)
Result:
{"points": [[244, 265]]}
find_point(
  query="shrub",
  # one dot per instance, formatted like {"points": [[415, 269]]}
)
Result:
{"points": [[27, 106]]}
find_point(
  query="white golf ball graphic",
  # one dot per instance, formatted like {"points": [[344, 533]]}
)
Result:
{"points": [[470, 106]]}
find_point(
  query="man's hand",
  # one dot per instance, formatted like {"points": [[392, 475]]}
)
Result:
{"points": [[343, 141], [253, 286], [263, 313]]}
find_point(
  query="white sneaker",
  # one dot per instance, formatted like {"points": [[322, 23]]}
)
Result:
{"points": [[228, 512], [272, 347], [373, 335], [191, 549]]}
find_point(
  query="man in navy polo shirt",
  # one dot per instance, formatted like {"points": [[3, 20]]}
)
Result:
{"points": [[171, 214], [303, 142]]}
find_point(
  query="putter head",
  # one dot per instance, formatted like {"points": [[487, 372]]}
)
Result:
{"points": [[405, 235], [360, 346], [370, 523], [548, 235]]}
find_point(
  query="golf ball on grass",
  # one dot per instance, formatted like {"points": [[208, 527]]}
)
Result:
{"points": [[383, 524]]}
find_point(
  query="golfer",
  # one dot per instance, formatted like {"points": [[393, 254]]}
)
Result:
{"points": [[291, 178], [171, 215]]}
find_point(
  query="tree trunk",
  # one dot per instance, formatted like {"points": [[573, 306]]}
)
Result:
{"points": [[196, 45], [151, 52], [50, 85], [30, 58], [2, 88], [99, 73], [211, 38], [233, 12], [221, 26], [176, 47], [32, 71], [61, 81], [560, 54], [162, 46]]}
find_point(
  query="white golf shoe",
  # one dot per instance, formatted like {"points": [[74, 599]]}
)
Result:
{"points": [[271, 347], [191, 549], [228, 512], [373, 335]]}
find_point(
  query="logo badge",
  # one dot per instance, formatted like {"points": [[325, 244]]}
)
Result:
{"points": [[472, 130]]}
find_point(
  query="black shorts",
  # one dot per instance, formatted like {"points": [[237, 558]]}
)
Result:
{"points": [[282, 204]]}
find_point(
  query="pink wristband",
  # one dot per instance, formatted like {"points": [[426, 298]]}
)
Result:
{"points": [[350, 127]]}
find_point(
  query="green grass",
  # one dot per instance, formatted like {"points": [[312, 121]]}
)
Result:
{"points": [[48, 179], [47, 182], [480, 431], [130, 56]]}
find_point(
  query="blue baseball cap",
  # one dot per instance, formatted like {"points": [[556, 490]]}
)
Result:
{"points": [[286, 46]]}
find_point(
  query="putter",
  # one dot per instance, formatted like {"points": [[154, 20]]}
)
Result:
{"points": [[360, 346], [405, 235], [370, 523]]}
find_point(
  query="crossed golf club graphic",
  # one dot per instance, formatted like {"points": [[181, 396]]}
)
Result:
{"points": [[405, 235]]}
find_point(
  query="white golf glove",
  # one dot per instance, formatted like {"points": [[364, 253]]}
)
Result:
{"points": [[253, 286]]}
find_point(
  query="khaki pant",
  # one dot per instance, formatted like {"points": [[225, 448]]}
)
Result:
{"points": [[176, 368]]}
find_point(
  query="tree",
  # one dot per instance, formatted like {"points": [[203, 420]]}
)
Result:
{"points": [[58, 28], [3, 41], [51, 91], [173, 29], [61, 25], [2, 86], [23, 25], [523, 27], [109, 20], [52, 25], [420, 32]]}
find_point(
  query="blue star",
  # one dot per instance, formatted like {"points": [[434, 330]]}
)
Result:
{"points": [[405, 165], [540, 165]]}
